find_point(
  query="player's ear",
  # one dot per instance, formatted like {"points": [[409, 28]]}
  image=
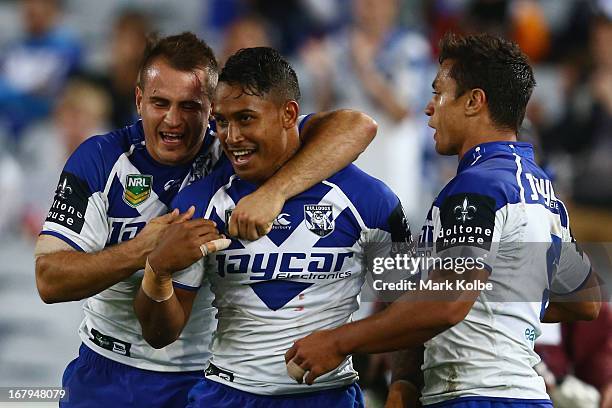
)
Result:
{"points": [[138, 98], [291, 111], [475, 102]]}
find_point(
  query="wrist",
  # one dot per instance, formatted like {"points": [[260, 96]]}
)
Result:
{"points": [[343, 340], [136, 253], [157, 287], [156, 267], [275, 186]]}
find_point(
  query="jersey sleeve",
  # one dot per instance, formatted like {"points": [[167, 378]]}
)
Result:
{"points": [[191, 277], [573, 266], [387, 230], [470, 223], [78, 213]]}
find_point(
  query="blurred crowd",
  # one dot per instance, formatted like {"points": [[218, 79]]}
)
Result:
{"points": [[63, 80]]}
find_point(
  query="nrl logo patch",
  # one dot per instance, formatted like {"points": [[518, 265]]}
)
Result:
{"points": [[319, 219], [137, 189]]}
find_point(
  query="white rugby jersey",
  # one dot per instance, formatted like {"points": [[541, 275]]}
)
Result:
{"points": [[305, 275], [501, 206], [109, 189]]}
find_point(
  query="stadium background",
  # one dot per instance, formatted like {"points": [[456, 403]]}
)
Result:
{"points": [[67, 71]]}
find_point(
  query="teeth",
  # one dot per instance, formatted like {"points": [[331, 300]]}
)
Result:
{"points": [[242, 152], [172, 135]]}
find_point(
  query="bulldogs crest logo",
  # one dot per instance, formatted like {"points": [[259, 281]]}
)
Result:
{"points": [[319, 219]]}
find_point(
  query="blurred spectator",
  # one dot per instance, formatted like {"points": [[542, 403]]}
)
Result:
{"points": [[128, 41], [34, 70], [82, 111], [530, 29], [290, 22], [442, 16], [572, 35], [585, 128], [244, 32], [488, 16], [377, 67], [522, 21]]}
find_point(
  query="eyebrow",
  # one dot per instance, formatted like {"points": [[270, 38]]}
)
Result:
{"points": [[162, 98], [216, 112]]}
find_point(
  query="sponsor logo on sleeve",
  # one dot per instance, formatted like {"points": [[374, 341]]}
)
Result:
{"points": [[63, 189], [70, 202], [137, 189], [319, 219], [465, 211], [466, 219]]}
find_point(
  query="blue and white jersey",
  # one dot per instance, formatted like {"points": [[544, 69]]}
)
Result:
{"points": [[502, 207], [305, 275], [109, 189]]}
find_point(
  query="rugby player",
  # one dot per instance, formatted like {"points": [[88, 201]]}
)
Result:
{"points": [[499, 207], [107, 216], [305, 275]]}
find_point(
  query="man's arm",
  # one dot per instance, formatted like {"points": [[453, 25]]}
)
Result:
{"points": [[163, 311], [400, 326], [582, 305], [163, 322], [406, 378], [64, 274], [331, 141], [373, 82]]}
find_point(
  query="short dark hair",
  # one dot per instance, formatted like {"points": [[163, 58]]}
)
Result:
{"points": [[496, 66], [184, 52], [261, 71]]}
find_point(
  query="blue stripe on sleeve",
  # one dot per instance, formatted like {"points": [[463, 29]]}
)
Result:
{"points": [[185, 287]]}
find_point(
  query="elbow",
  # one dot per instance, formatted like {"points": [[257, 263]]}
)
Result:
{"points": [[46, 296], [364, 128], [43, 284], [367, 125], [590, 311]]}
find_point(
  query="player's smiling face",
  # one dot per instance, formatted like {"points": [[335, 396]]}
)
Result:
{"points": [[446, 113], [258, 134], [174, 110]]}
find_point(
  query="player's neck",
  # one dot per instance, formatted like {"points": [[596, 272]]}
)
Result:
{"points": [[486, 136]]}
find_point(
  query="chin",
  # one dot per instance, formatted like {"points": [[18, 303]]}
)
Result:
{"points": [[256, 177], [445, 150]]}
